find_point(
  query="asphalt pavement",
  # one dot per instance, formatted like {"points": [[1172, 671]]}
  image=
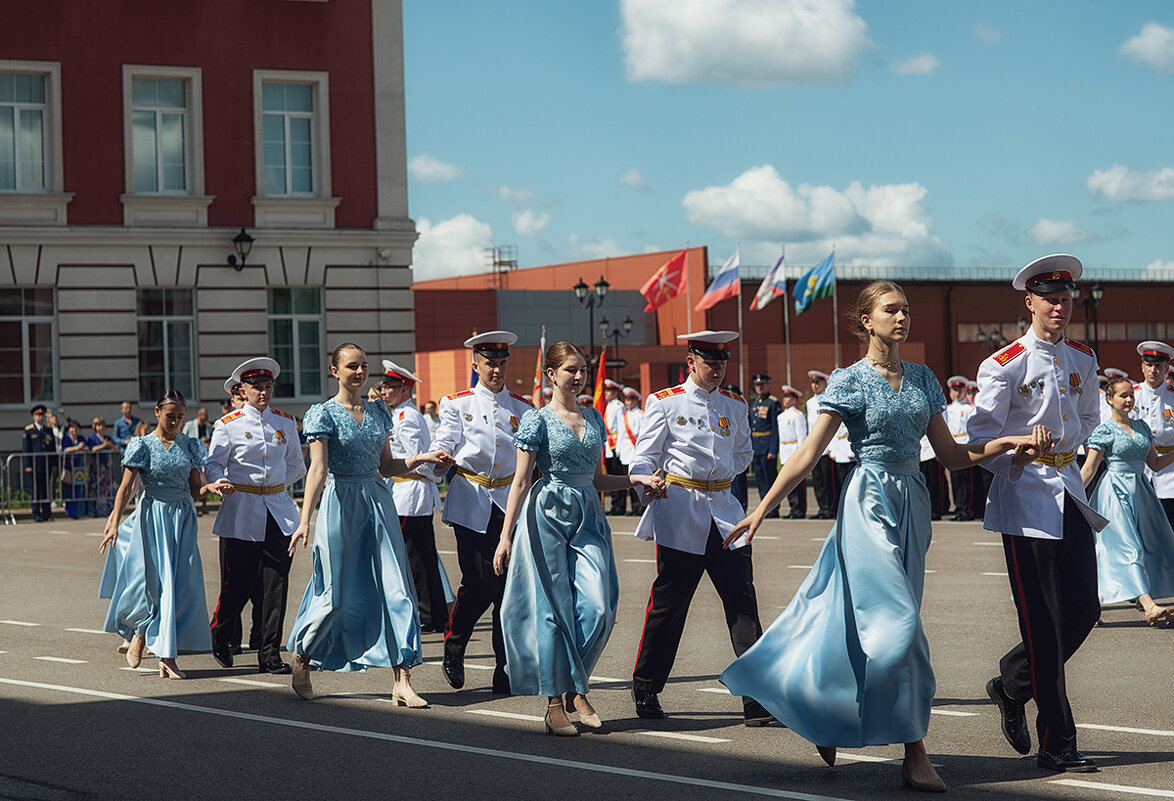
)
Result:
{"points": [[77, 723]]}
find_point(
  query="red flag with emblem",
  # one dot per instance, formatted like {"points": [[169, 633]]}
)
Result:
{"points": [[600, 402], [667, 282]]}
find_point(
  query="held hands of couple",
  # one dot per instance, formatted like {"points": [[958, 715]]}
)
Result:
{"points": [[222, 487], [439, 456], [654, 486], [1029, 447], [501, 557]]}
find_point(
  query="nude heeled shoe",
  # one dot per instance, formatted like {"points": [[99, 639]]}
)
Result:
{"points": [[557, 722], [170, 671], [134, 652], [576, 702], [300, 677], [409, 698]]}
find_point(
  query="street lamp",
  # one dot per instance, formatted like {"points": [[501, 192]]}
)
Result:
{"points": [[615, 333], [1090, 303], [591, 300], [993, 339]]}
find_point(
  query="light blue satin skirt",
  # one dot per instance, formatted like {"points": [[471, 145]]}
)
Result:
{"points": [[1135, 552], [847, 663], [158, 589], [359, 610], [115, 556], [561, 590]]}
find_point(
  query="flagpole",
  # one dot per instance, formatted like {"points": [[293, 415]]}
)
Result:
{"points": [[835, 310], [786, 316], [741, 338], [689, 290]]}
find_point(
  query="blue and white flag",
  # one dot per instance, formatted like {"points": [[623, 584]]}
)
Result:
{"points": [[773, 286]]}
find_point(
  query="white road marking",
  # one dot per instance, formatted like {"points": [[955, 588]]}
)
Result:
{"points": [[718, 690], [88, 631], [18, 623], [460, 748], [767, 537], [1126, 730], [494, 713], [1004, 575], [818, 539], [139, 670], [61, 659], [989, 544], [100, 534], [800, 567], [252, 683], [642, 561], [952, 713], [1119, 788], [606, 680], [468, 666], [57, 531], [931, 571], [446, 553], [840, 754], [675, 735]]}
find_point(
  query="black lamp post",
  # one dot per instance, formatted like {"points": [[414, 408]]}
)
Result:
{"points": [[1090, 303], [993, 339], [615, 333], [591, 300], [242, 243]]}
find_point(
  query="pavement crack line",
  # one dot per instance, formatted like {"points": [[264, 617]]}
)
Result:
{"points": [[769, 792]]}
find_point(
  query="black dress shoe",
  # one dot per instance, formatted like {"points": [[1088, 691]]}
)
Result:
{"points": [[501, 683], [1012, 714], [647, 704], [275, 666], [1068, 762], [235, 648], [454, 669], [223, 655], [755, 714]]}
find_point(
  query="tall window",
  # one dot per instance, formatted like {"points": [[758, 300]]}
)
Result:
{"points": [[159, 118], [26, 345], [166, 343], [295, 340], [22, 132], [287, 125]]}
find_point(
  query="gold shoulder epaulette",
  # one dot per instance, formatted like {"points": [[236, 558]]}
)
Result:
{"points": [[231, 416], [460, 394], [667, 393], [284, 414], [523, 398], [733, 395]]}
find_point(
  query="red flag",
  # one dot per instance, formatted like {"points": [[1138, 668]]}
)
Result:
{"points": [[667, 282], [600, 402]]}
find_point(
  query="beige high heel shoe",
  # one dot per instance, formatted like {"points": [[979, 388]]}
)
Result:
{"points": [[169, 670], [407, 697], [557, 722], [300, 677], [576, 702], [134, 652]]}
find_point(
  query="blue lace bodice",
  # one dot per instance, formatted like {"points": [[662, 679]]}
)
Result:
{"points": [[161, 466], [352, 450], [1119, 445], [884, 425], [559, 450]]}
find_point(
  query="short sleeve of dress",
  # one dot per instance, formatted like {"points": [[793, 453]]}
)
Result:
{"points": [[317, 423], [1101, 437], [843, 395], [933, 391], [197, 452], [531, 434], [382, 416], [137, 453]]}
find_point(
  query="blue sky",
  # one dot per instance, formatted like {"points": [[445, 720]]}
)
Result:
{"points": [[904, 132]]}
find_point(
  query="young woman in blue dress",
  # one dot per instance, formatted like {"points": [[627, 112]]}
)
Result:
{"points": [[1135, 551], [847, 663], [157, 597], [561, 589], [359, 609]]}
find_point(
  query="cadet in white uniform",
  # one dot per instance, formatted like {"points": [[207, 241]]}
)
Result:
{"points": [[1155, 405], [257, 449], [1041, 509], [962, 481], [629, 431], [416, 494], [611, 455], [823, 474], [477, 427], [699, 435], [792, 431]]}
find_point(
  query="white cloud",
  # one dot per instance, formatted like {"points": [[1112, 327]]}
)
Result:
{"points": [[1158, 267], [987, 33], [451, 247], [528, 222], [1154, 47], [1056, 232], [742, 42], [425, 168], [595, 248], [877, 225], [917, 65], [1120, 184], [633, 179], [520, 194]]}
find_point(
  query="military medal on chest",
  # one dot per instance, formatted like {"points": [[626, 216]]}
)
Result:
{"points": [[723, 426], [468, 417], [1074, 382], [514, 424], [248, 435], [681, 420]]}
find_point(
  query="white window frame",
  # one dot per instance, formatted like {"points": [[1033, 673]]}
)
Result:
{"points": [[40, 206], [167, 319], [295, 318], [25, 321], [319, 83], [193, 126]]}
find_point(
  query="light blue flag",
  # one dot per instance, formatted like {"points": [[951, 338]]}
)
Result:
{"points": [[819, 282]]}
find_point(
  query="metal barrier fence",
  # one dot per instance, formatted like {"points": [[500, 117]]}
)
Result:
{"points": [[82, 484]]}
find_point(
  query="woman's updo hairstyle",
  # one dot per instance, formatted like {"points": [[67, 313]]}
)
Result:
{"points": [[866, 301], [559, 353], [1111, 385], [171, 396], [336, 354]]}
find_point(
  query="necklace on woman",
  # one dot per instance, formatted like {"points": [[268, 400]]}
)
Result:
{"points": [[893, 365]]}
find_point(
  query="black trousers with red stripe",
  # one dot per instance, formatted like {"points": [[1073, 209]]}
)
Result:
{"points": [[244, 564], [677, 576], [822, 483], [935, 482], [1054, 583], [480, 589], [420, 547]]}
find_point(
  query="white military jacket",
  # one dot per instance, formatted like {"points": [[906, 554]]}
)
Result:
{"points": [[256, 451], [700, 435], [629, 434], [477, 427], [840, 448], [612, 420], [957, 415], [792, 432], [1156, 408], [416, 494], [813, 415], [1032, 382]]}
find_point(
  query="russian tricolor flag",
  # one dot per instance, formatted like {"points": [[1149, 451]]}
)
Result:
{"points": [[725, 285], [774, 285]]}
